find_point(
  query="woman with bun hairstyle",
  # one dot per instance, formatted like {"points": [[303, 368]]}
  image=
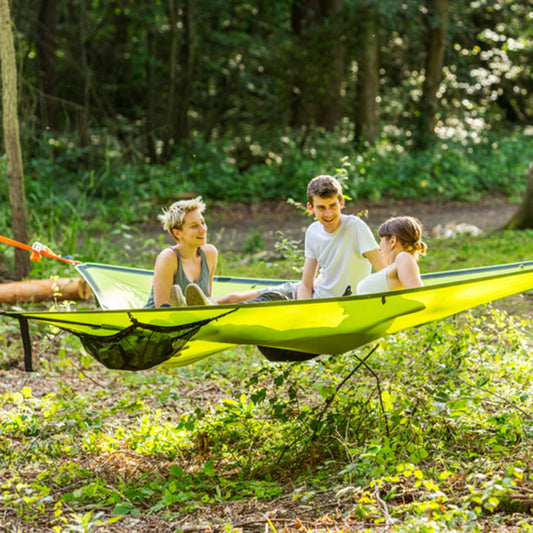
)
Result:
{"points": [[400, 245]]}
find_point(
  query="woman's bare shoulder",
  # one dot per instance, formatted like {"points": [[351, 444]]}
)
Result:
{"points": [[209, 249], [405, 258]]}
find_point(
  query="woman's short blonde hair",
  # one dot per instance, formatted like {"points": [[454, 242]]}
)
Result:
{"points": [[174, 216]]}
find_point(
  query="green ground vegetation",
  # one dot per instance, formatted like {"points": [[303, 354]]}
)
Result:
{"points": [[427, 430]]}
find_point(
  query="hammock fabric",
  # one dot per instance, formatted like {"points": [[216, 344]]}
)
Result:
{"points": [[125, 336]]}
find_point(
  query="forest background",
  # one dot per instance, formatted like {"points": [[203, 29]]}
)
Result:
{"points": [[125, 107]]}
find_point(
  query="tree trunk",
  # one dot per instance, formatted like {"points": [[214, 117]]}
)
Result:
{"points": [[187, 64], [366, 107], [296, 100], [10, 122], [316, 92], [437, 27], [170, 126], [329, 107], [523, 218], [150, 95], [84, 112], [45, 48], [42, 290]]}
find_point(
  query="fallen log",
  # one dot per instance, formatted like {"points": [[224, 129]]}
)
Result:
{"points": [[40, 290]]}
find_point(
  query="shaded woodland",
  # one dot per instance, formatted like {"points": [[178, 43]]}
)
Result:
{"points": [[154, 74], [245, 100]]}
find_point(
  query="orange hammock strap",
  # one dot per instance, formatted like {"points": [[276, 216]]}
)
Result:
{"points": [[37, 250]]}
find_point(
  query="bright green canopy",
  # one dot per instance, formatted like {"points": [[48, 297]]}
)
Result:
{"points": [[125, 336]]}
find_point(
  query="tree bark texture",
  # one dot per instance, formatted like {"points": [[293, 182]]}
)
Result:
{"points": [[84, 112], [41, 290], [367, 90], [186, 58], [523, 218], [317, 95], [170, 126], [10, 123], [45, 48], [429, 103], [151, 121]]}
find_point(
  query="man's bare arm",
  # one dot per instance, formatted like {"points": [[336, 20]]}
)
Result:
{"points": [[375, 258], [305, 288]]}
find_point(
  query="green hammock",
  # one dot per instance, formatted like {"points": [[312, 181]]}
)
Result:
{"points": [[123, 335]]}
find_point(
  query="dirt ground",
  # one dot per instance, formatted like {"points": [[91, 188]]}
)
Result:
{"points": [[231, 226]]}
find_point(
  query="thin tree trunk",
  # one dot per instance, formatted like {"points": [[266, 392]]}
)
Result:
{"points": [[366, 108], [83, 119], [10, 123], [523, 218], [316, 90], [330, 105], [297, 112], [45, 48], [150, 95], [437, 27], [187, 64], [170, 126]]}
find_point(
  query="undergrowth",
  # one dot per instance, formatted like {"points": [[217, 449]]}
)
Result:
{"points": [[69, 202], [432, 430], [429, 430]]}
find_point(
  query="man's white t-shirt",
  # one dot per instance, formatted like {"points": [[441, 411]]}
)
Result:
{"points": [[339, 255]]}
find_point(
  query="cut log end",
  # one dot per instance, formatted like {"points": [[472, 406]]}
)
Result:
{"points": [[40, 290]]}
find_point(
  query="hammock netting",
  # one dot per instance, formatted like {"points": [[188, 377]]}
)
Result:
{"points": [[122, 335], [139, 346]]}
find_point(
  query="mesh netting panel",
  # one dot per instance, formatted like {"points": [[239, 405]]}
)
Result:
{"points": [[139, 346]]}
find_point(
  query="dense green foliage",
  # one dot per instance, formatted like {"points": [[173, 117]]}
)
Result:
{"points": [[245, 66], [68, 204], [431, 432], [99, 79], [487, 163]]}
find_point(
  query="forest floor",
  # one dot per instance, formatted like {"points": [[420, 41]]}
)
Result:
{"points": [[230, 227], [234, 224]]}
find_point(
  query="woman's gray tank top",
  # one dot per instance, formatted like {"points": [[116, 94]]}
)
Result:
{"points": [[182, 280]]}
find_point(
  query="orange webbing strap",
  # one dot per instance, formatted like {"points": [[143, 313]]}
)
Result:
{"points": [[37, 250]]}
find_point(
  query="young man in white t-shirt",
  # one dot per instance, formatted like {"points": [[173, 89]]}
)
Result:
{"points": [[339, 251], [339, 248]]}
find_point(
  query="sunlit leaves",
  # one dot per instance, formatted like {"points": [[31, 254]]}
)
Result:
{"points": [[442, 442]]}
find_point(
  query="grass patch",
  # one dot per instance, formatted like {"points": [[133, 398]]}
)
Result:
{"points": [[434, 434], [489, 248]]}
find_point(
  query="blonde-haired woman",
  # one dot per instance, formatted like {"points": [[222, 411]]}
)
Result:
{"points": [[188, 266], [401, 245]]}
